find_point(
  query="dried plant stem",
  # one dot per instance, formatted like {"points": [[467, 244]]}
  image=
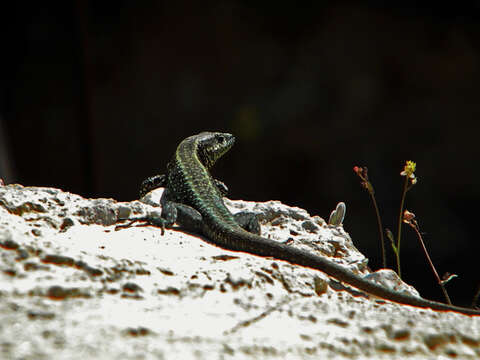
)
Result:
{"points": [[414, 225], [363, 174], [475, 298], [380, 230], [399, 231]]}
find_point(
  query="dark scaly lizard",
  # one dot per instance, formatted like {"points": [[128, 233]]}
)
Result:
{"points": [[194, 200]]}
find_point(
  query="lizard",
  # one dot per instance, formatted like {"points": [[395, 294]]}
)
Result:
{"points": [[193, 199]]}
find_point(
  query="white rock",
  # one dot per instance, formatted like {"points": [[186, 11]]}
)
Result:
{"points": [[74, 288]]}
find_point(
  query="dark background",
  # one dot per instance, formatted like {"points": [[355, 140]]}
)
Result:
{"points": [[95, 96]]}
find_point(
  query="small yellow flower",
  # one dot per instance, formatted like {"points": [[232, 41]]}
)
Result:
{"points": [[409, 170]]}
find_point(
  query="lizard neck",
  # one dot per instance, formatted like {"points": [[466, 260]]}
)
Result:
{"points": [[193, 185]]}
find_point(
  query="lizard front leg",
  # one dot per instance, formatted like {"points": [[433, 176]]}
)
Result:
{"points": [[164, 219], [172, 212]]}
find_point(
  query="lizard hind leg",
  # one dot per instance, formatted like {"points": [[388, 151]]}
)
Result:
{"points": [[189, 218], [248, 221]]}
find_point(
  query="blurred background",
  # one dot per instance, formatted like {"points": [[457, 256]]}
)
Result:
{"points": [[95, 96]]}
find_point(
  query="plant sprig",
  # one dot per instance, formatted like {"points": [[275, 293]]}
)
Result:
{"points": [[405, 217], [409, 218], [363, 175], [410, 181]]}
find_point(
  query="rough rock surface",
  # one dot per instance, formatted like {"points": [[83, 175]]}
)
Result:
{"points": [[72, 287]]}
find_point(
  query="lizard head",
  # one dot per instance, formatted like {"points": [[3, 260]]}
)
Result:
{"points": [[212, 145]]}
